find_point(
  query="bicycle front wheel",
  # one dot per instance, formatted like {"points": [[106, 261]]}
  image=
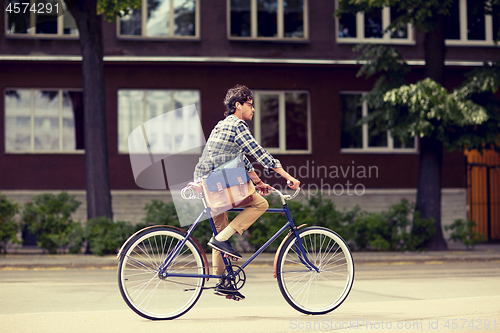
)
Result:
{"points": [[138, 275], [310, 291]]}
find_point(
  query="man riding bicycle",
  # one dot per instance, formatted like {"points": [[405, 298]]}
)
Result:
{"points": [[230, 137]]}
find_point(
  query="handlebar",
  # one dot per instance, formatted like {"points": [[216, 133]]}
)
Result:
{"points": [[286, 197], [194, 191]]}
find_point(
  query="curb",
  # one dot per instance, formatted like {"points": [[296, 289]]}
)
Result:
{"points": [[11, 262]]}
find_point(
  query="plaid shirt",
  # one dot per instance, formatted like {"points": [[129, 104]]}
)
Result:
{"points": [[230, 137]]}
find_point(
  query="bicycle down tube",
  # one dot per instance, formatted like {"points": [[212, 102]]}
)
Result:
{"points": [[289, 225]]}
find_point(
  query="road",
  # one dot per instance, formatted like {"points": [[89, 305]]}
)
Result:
{"points": [[449, 297]]}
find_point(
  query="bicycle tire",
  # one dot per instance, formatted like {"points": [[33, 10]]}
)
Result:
{"points": [[306, 290], [140, 285]]}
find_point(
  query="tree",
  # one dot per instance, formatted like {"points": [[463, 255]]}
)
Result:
{"points": [[88, 15], [428, 17]]}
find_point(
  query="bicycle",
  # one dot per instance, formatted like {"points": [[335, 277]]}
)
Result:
{"points": [[162, 269]]}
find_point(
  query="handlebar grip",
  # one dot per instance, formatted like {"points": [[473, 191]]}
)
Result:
{"points": [[294, 194]]}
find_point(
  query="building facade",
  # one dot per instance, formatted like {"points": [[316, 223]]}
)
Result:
{"points": [[294, 54]]}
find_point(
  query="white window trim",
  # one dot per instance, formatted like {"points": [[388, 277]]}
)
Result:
{"points": [[171, 26], [281, 24], [31, 32], [32, 124], [463, 41], [282, 121], [144, 106], [366, 149], [360, 31]]}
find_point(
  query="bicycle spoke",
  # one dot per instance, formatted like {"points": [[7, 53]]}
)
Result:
{"points": [[142, 288], [308, 290], [141, 264]]}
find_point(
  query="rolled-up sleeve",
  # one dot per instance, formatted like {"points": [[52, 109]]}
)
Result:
{"points": [[245, 140]]}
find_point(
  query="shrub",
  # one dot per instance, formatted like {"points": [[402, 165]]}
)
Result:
{"points": [[318, 211], [161, 213], [105, 236], [324, 213], [8, 226], [390, 230], [269, 223], [365, 232], [422, 231], [49, 218], [101, 235], [464, 232], [386, 231]]}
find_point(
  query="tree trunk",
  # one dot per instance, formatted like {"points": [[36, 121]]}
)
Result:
{"points": [[429, 189], [96, 143], [431, 150]]}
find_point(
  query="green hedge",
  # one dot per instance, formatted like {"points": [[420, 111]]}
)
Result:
{"points": [[103, 236], [159, 212], [462, 231], [48, 216], [386, 231], [8, 225]]}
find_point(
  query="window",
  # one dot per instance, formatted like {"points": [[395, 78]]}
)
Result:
{"points": [[267, 19], [468, 24], [172, 132], [40, 23], [43, 120], [365, 138], [370, 28], [162, 19], [282, 121]]}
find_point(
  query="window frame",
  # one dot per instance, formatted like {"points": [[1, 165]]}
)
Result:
{"points": [[280, 21], [282, 121], [463, 41], [31, 32], [360, 31], [32, 123], [144, 16], [144, 105], [364, 132]]}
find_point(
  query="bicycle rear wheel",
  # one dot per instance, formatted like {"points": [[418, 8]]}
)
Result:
{"points": [[306, 290], [140, 285]]}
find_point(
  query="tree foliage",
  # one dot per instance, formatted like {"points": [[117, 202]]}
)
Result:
{"points": [[469, 116], [421, 14], [114, 8], [429, 110], [465, 125]]}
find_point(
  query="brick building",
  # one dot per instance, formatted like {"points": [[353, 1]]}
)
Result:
{"points": [[294, 54]]}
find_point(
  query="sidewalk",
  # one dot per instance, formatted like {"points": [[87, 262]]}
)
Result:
{"points": [[26, 259]]}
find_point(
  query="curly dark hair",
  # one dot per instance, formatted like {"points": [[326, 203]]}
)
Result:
{"points": [[239, 93]]}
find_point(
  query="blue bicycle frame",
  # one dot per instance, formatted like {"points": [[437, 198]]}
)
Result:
{"points": [[301, 251]]}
